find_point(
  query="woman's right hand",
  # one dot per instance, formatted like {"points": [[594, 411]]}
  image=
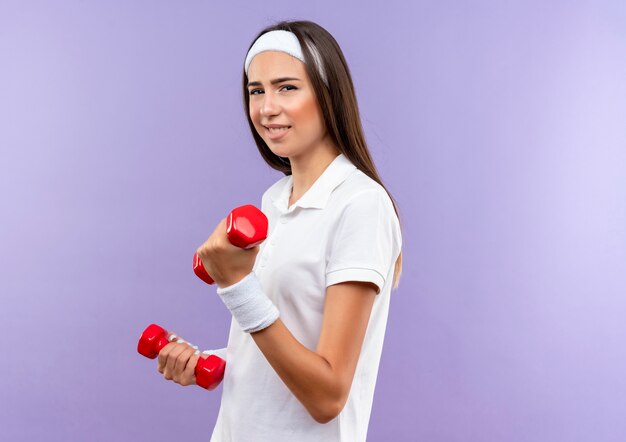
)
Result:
{"points": [[177, 361]]}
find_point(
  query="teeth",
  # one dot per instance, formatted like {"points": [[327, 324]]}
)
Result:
{"points": [[276, 129]]}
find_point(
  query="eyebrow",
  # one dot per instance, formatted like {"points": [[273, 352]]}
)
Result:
{"points": [[274, 81]]}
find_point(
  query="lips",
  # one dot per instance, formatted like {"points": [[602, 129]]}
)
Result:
{"points": [[277, 134]]}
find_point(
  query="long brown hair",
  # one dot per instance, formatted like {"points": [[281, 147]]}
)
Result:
{"points": [[338, 104]]}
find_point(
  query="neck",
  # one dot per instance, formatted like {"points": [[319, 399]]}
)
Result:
{"points": [[307, 168]]}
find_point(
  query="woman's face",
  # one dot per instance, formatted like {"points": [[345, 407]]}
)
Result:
{"points": [[288, 103]]}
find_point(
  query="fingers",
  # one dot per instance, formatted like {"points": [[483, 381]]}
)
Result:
{"points": [[189, 374], [170, 364], [177, 362], [164, 353], [163, 356]]}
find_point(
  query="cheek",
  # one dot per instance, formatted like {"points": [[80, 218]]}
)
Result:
{"points": [[304, 115], [255, 116], [253, 112]]}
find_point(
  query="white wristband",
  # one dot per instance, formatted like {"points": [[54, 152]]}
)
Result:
{"points": [[250, 306]]}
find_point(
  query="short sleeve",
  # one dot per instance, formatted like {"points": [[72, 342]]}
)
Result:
{"points": [[365, 241], [264, 202], [220, 352]]}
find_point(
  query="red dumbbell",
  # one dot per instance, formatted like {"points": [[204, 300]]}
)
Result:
{"points": [[246, 227], [209, 372]]}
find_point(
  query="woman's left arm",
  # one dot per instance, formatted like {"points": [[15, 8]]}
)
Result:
{"points": [[321, 379]]}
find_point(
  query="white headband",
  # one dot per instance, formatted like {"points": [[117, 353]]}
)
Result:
{"points": [[284, 41]]}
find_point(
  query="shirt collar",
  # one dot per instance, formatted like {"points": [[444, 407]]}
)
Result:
{"points": [[318, 194]]}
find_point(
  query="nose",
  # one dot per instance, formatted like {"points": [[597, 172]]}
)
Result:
{"points": [[269, 105]]}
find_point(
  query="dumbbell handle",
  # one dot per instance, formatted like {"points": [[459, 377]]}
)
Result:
{"points": [[246, 227], [209, 372]]}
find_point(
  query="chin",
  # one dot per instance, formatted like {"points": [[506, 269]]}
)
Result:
{"points": [[285, 153]]}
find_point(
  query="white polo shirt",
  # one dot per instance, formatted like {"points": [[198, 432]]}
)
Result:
{"points": [[344, 228]]}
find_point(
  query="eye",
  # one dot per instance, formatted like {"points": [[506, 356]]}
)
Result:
{"points": [[252, 92]]}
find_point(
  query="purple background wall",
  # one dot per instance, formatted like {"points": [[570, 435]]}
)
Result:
{"points": [[499, 128]]}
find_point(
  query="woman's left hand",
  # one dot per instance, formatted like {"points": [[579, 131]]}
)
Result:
{"points": [[225, 263]]}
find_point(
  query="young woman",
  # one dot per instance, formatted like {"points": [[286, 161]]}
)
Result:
{"points": [[309, 304]]}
